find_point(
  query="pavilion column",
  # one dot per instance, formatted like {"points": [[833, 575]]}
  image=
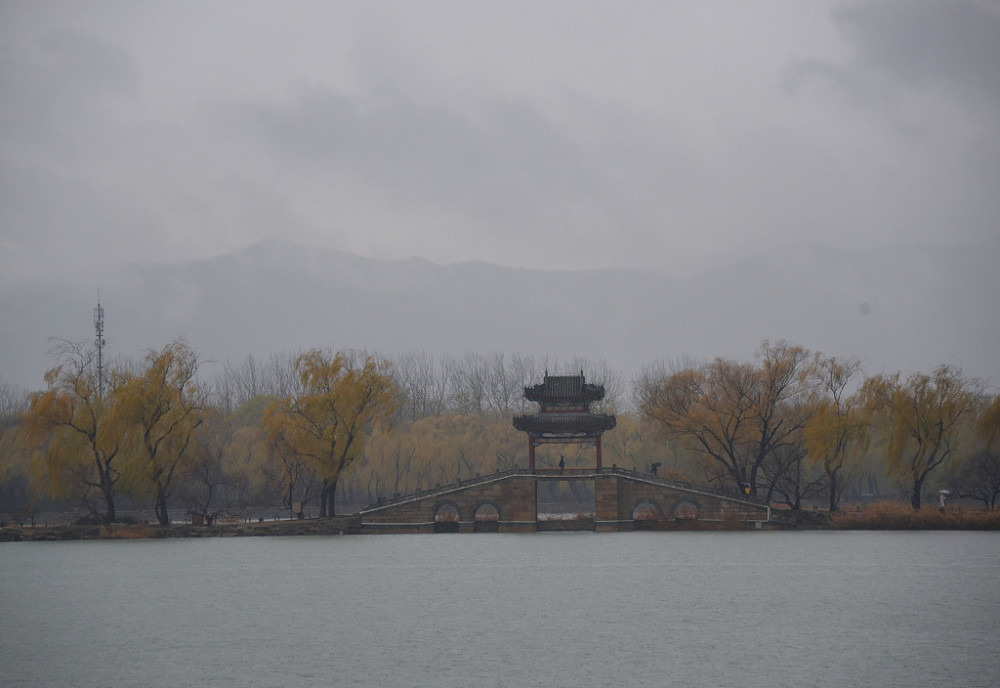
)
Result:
{"points": [[597, 445], [531, 453]]}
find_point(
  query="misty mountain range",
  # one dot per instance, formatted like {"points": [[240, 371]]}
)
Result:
{"points": [[902, 309]]}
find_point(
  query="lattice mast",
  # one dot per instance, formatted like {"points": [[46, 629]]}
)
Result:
{"points": [[100, 342]]}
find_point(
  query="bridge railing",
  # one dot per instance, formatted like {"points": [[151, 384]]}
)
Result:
{"points": [[437, 489], [549, 473], [649, 477]]}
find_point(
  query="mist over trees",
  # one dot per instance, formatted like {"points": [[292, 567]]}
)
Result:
{"points": [[295, 434]]}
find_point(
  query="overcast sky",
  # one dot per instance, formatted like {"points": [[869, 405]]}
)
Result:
{"points": [[533, 134]]}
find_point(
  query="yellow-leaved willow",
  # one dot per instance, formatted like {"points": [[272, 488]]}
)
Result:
{"points": [[328, 422]]}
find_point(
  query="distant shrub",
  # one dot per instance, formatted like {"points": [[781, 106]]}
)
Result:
{"points": [[87, 521], [130, 532]]}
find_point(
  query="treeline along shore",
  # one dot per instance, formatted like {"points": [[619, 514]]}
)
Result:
{"points": [[301, 435]]}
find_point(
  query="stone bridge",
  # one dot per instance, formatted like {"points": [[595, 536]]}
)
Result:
{"points": [[507, 502]]}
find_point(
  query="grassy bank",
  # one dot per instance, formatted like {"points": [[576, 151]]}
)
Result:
{"points": [[119, 531], [877, 516], [897, 516]]}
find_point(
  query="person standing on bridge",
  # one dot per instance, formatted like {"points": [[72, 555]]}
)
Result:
{"points": [[562, 463]]}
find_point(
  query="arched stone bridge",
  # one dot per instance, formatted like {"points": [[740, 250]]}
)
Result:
{"points": [[507, 502]]}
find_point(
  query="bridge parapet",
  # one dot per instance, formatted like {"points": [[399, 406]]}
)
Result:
{"points": [[511, 494], [438, 489], [620, 497], [508, 500]]}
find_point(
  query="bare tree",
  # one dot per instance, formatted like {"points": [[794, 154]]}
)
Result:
{"points": [[735, 414], [13, 402], [979, 478], [420, 384], [602, 373], [207, 485], [790, 477], [469, 377]]}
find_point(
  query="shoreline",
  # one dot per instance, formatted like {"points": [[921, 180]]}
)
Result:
{"points": [[336, 525], [890, 519]]}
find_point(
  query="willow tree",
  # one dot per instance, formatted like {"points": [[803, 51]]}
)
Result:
{"points": [[14, 460], [980, 474], [159, 409], [328, 422], [923, 417], [282, 467], [836, 427], [72, 433]]}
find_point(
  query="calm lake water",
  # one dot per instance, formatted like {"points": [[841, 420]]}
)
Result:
{"points": [[572, 609]]}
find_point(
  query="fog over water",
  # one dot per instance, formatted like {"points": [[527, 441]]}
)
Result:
{"points": [[635, 609], [680, 138]]}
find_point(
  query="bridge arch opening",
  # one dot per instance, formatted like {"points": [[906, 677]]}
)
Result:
{"points": [[446, 518], [687, 510], [646, 510], [486, 518], [561, 500], [645, 514]]}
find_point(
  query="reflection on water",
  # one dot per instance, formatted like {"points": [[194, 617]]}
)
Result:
{"points": [[628, 609]]}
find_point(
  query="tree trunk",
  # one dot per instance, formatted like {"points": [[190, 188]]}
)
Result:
{"points": [[797, 485], [107, 487], [331, 495], [833, 492], [109, 505], [162, 515], [918, 486], [324, 499]]}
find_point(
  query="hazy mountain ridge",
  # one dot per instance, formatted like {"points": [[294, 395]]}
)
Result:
{"points": [[911, 308]]}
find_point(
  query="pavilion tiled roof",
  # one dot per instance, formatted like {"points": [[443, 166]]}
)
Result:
{"points": [[564, 424], [569, 388]]}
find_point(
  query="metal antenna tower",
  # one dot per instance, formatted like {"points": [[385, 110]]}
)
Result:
{"points": [[99, 329]]}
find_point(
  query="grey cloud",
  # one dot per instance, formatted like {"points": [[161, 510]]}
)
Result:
{"points": [[60, 91], [580, 136], [948, 48], [502, 160], [954, 43], [533, 135], [92, 65], [802, 73], [917, 93]]}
